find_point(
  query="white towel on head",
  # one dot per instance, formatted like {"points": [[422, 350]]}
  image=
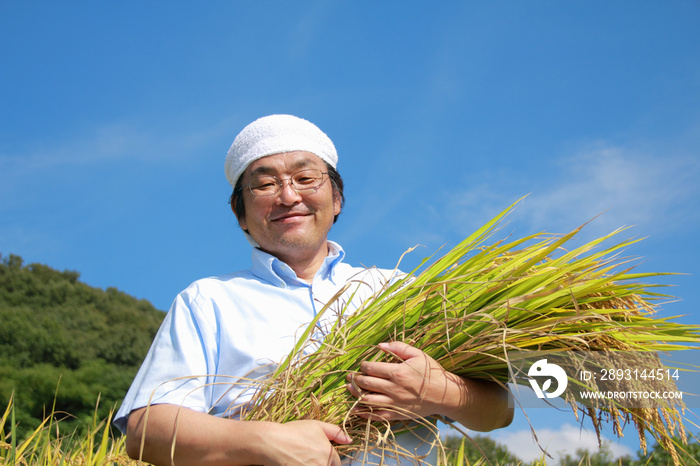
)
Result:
{"points": [[276, 134]]}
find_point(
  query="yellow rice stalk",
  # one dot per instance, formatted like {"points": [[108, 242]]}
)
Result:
{"points": [[478, 309], [47, 446]]}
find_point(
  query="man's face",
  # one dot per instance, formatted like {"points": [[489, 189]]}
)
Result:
{"points": [[289, 224]]}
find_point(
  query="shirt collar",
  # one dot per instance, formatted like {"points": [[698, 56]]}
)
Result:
{"points": [[269, 268]]}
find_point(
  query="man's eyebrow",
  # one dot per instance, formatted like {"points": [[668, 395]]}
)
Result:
{"points": [[267, 170], [261, 170]]}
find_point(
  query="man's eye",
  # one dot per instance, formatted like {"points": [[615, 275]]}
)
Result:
{"points": [[305, 180], [264, 185]]}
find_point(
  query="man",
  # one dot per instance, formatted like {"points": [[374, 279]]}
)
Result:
{"points": [[224, 332]]}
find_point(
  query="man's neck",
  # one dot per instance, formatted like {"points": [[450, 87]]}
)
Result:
{"points": [[306, 265]]}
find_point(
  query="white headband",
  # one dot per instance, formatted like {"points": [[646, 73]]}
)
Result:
{"points": [[276, 134]]}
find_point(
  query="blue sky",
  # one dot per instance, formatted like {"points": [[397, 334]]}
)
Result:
{"points": [[115, 118]]}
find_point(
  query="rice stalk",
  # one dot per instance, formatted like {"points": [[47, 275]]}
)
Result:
{"points": [[47, 446], [478, 310]]}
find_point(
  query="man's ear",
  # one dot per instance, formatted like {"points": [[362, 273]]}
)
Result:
{"points": [[242, 223], [241, 220], [337, 203]]}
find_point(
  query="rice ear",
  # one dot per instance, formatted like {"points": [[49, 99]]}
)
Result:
{"points": [[476, 308]]}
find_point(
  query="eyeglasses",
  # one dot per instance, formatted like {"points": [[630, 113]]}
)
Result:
{"points": [[301, 181]]}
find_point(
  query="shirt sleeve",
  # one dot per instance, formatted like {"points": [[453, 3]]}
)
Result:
{"points": [[176, 368]]}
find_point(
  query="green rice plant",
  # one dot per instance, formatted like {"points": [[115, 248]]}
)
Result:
{"points": [[460, 457], [47, 446], [478, 310]]}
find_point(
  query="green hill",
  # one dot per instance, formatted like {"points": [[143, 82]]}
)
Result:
{"points": [[67, 343]]}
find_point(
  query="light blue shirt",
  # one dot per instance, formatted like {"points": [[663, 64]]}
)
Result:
{"points": [[222, 332]]}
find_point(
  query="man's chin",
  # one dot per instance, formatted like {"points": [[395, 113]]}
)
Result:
{"points": [[289, 242], [296, 241]]}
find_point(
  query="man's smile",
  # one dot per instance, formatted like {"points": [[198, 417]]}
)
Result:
{"points": [[289, 216]]}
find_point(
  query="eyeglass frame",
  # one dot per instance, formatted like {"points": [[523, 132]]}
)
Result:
{"points": [[280, 183]]}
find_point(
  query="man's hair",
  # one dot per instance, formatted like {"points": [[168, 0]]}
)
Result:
{"points": [[238, 206]]}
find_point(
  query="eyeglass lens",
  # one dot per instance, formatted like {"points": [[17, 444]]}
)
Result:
{"points": [[267, 185]]}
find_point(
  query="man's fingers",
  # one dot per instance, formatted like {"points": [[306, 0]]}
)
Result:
{"points": [[386, 370], [368, 392], [335, 433], [377, 414], [378, 382], [400, 349], [382, 370]]}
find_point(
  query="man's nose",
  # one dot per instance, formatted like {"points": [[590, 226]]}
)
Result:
{"points": [[287, 194]]}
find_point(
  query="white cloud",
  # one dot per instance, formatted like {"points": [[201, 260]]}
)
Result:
{"points": [[557, 442], [625, 186], [628, 187], [116, 140], [102, 143], [26, 169], [306, 31]]}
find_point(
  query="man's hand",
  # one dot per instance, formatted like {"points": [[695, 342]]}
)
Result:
{"points": [[304, 443], [413, 388], [419, 387], [203, 439]]}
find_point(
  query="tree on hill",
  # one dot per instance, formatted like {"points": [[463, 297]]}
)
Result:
{"points": [[479, 448], [688, 454], [602, 457], [62, 340]]}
